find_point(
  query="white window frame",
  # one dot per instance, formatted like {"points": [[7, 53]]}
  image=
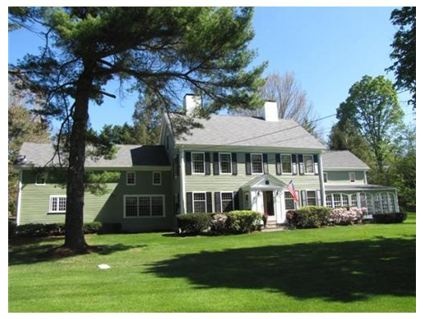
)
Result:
{"points": [[51, 211], [230, 163], [281, 164], [37, 176], [262, 164], [126, 178], [285, 199], [205, 201], [306, 198], [350, 177], [305, 165], [138, 196], [193, 164], [221, 200], [153, 178]]}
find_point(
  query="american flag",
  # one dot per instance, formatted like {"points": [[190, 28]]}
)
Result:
{"points": [[291, 189]]}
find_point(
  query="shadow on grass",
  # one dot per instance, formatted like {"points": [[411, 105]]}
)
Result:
{"points": [[48, 249], [343, 271]]}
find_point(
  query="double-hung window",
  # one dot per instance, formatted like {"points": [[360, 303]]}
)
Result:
{"points": [[225, 163], [308, 164], [199, 203], [198, 163], [311, 197], [143, 206], [257, 163], [57, 204], [131, 178], [156, 178], [289, 201], [227, 201], [286, 160]]}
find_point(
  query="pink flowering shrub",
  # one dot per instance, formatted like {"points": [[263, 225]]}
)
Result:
{"points": [[346, 216]]}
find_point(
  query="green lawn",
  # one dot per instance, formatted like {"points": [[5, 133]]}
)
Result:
{"points": [[365, 268]]}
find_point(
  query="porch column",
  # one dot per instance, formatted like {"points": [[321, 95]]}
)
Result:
{"points": [[182, 182]]}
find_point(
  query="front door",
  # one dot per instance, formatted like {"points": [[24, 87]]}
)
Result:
{"points": [[269, 204]]}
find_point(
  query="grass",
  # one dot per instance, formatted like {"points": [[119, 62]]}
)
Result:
{"points": [[363, 268]]}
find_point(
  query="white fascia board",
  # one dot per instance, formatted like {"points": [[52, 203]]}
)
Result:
{"points": [[248, 149]]}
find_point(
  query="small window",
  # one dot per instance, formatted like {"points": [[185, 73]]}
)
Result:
{"points": [[311, 197], [156, 178], [257, 163], [198, 163], [199, 203], [352, 177], [131, 178], [308, 164], [286, 163], [40, 179], [225, 163], [227, 201], [325, 177], [57, 204], [289, 201]]}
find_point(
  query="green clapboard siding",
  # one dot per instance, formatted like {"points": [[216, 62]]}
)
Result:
{"points": [[342, 177], [106, 208]]}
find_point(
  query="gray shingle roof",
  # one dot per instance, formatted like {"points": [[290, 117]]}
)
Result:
{"points": [[340, 160], [126, 156], [250, 131]]}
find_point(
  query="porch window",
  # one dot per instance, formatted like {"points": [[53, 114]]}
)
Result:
{"points": [[311, 198], [344, 200], [337, 200], [57, 204], [198, 163], [286, 163], [308, 164], [257, 163], [329, 200], [289, 202], [353, 200], [384, 200], [227, 201], [225, 163], [199, 203]]}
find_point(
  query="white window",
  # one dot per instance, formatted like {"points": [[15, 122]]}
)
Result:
{"points": [[308, 164], [198, 163], [40, 179], [325, 177], [289, 201], [353, 200], [131, 178], [286, 160], [257, 163], [311, 197], [156, 178], [199, 203], [329, 200], [337, 200], [344, 200], [144, 206], [227, 201], [352, 177], [57, 204], [225, 163]]}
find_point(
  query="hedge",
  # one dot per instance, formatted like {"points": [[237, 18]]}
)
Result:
{"points": [[308, 217], [243, 221], [57, 229], [390, 218], [193, 223]]}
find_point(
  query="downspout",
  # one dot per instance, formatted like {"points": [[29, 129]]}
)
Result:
{"points": [[321, 180], [182, 182], [18, 206]]}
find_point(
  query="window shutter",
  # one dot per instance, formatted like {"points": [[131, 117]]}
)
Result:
{"points": [[189, 208], [207, 164], [234, 164], [248, 163], [294, 164], [318, 197], [209, 202], [217, 202], [188, 163], [216, 170], [301, 164], [265, 164], [278, 165], [236, 200], [316, 164], [303, 198]]}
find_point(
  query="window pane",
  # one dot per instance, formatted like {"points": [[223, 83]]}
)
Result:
{"points": [[54, 204], [311, 198], [344, 200], [308, 163], [354, 200], [329, 200], [257, 163], [131, 178], [384, 199], [131, 206], [157, 207], [289, 202], [157, 178], [144, 206], [198, 162], [199, 204], [286, 164], [377, 202], [225, 163], [199, 196], [227, 202], [62, 204], [337, 200]]}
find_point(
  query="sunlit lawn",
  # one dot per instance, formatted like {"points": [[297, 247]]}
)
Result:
{"points": [[364, 268]]}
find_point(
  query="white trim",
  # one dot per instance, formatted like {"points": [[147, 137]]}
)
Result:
{"points": [[153, 178], [281, 164], [50, 205], [230, 163], [18, 206], [192, 163], [221, 199], [150, 211], [126, 178], [193, 201], [182, 182], [262, 163]]}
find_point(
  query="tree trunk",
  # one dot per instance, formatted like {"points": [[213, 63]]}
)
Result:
{"points": [[74, 235]]}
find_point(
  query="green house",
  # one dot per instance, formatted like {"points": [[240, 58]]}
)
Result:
{"points": [[228, 163]]}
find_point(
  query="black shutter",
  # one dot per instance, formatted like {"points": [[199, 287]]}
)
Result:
{"points": [[278, 165], [209, 202], [217, 202], [189, 208], [176, 166], [216, 170], [234, 164], [188, 163], [236, 200], [316, 164], [294, 164], [265, 164], [207, 164], [248, 163]]}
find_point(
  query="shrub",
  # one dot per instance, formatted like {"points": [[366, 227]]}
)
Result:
{"points": [[55, 229], [12, 228], [389, 218], [308, 217], [345, 216], [243, 221], [219, 223], [193, 223], [110, 228], [92, 228]]}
